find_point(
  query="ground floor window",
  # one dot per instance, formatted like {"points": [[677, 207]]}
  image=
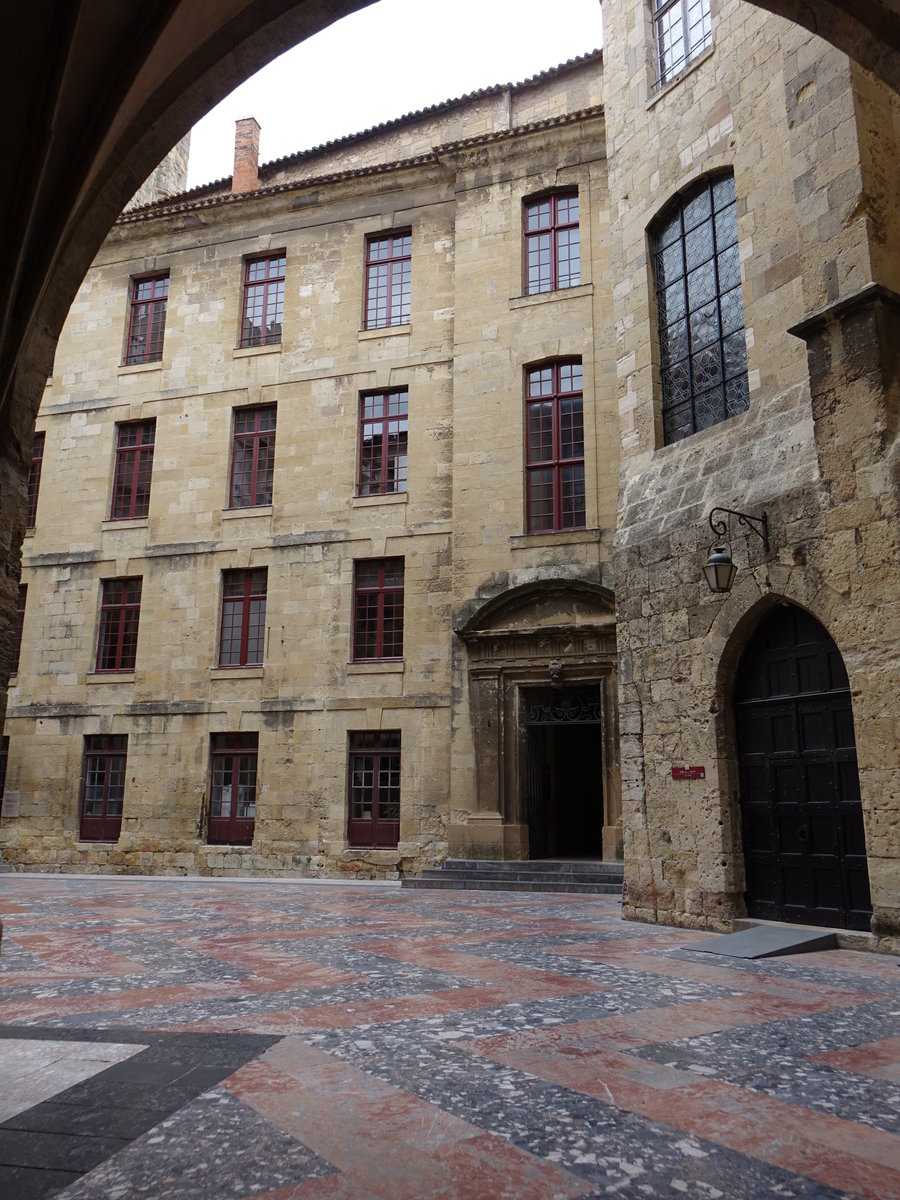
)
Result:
{"points": [[103, 787], [374, 787], [232, 801]]}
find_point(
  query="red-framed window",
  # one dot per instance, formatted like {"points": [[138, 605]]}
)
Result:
{"points": [[682, 30], [134, 466], [373, 777], [262, 309], [120, 613], [103, 787], [552, 243], [232, 791], [555, 447], [147, 319], [21, 597], [252, 457], [34, 477], [242, 641], [383, 420], [378, 609], [388, 279]]}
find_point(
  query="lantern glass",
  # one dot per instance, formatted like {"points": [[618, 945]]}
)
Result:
{"points": [[720, 571]]}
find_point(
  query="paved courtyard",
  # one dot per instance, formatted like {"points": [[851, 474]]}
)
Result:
{"points": [[301, 1041]]}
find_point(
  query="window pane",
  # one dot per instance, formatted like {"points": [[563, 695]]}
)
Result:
{"points": [[540, 432]]}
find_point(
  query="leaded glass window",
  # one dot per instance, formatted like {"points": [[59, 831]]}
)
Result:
{"points": [[703, 349]]}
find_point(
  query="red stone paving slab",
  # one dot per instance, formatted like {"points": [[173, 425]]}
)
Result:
{"points": [[135, 999], [650, 1026], [442, 1002], [276, 967], [328, 1187], [878, 1060], [130, 1000], [841, 1154], [855, 962], [393, 1144], [78, 958], [437, 956]]}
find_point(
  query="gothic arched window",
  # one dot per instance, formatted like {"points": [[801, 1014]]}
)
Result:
{"points": [[703, 350]]}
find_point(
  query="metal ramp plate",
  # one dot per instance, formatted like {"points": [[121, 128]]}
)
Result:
{"points": [[767, 941]]}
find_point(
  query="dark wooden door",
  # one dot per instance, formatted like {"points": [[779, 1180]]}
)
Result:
{"points": [[563, 772], [801, 816], [538, 784]]}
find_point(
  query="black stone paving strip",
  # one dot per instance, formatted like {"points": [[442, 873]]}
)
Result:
{"points": [[51, 1145], [618, 1151]]}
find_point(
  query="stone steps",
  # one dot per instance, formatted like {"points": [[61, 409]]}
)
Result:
{"points": [[539, 875]]}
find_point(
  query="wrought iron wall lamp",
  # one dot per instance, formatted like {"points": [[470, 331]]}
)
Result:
{"points": [[720, 571]]}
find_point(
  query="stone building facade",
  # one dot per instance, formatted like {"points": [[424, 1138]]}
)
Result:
{"points": [[575, 688], [293, 421], [762, 690]]}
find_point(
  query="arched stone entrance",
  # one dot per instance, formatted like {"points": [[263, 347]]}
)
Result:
{"points": [[541, 667], [801, 816]]}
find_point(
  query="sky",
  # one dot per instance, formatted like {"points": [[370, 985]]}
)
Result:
{"points": [[387, 60]]}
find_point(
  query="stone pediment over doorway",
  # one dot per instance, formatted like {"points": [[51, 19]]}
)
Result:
{"points": [[554, 617], [540, 662]]}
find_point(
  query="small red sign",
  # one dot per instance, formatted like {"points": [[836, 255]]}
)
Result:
{"points": [[689, 772]]}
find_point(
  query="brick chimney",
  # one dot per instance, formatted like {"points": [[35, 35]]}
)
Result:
{"points": [[246, 155]]}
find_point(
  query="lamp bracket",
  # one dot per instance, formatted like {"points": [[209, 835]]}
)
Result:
{"points": [[759, 525]]}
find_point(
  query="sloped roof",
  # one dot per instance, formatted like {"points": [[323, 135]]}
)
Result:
{"points": [[218, 191]]}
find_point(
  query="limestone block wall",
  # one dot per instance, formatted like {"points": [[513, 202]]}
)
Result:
{"points": [[308, 695], [459, 526], [169, 178], [497, 336], [793, 121]]}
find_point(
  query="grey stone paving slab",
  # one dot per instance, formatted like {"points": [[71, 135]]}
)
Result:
{"points": [[190, 1156]]}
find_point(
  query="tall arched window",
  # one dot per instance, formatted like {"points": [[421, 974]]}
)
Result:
{"points": [[703, 351]]}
